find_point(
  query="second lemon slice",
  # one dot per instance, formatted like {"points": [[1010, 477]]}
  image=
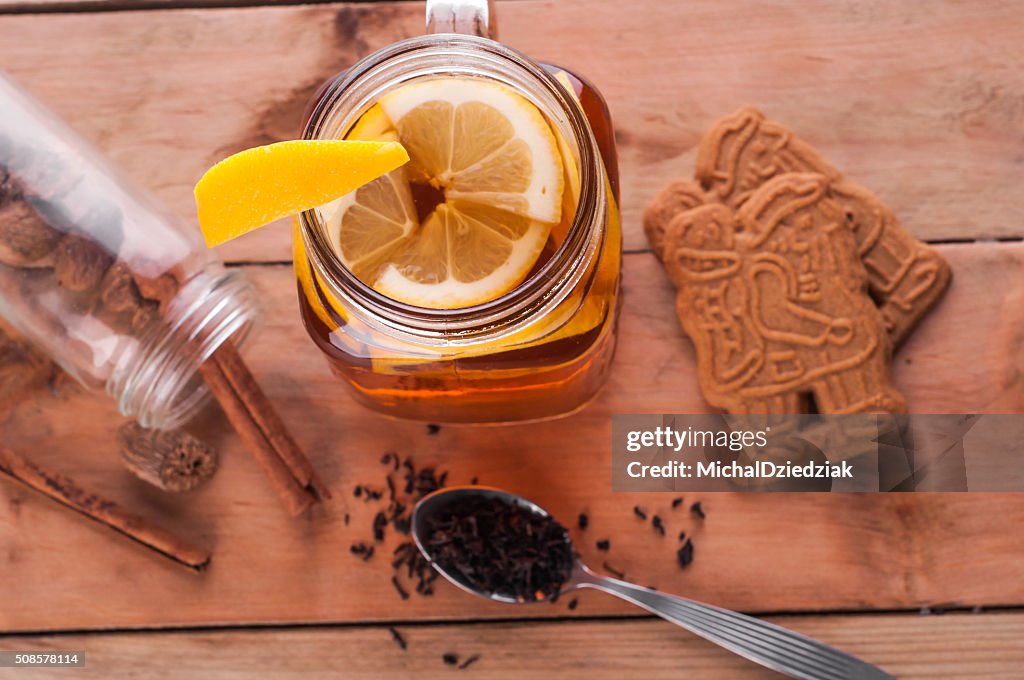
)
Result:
{"points": [[467, 219]]}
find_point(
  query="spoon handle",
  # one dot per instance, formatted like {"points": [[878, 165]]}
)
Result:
{"points": [[765, 643]]}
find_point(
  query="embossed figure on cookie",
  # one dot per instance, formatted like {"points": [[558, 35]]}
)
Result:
{"points": [[677, 197], [713, 301], [775, 300], [743, 151]]}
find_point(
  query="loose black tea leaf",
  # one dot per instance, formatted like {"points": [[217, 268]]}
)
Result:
{"points": [[433, 428], [697, 510], [613, 571], [358, 491], [380, 520], [406, 560], [584, 521], [682, 536], [469, 662], [398, 587], [685, 554], [657, 524], [604, 545], [500, 548], [346, 519], [397, 637], [474, 481], [573, 603], [676, 502], [450, 659], [362, 550], [639, 513]]}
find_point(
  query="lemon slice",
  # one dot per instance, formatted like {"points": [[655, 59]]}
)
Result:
{"points": [[487, 173], [257, 186]]}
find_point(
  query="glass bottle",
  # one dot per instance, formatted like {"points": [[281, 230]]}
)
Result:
{"points": [[119, 294]]}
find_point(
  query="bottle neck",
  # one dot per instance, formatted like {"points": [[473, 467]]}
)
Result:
{"points": [[158, 383], [353, 93]]}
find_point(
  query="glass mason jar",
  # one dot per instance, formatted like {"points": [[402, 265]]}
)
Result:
{"points": [[541, 350], [115, 291]]}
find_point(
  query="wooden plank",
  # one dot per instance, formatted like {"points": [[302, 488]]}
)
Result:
{"points": [[934, 131], [908, 646], [46, 6], [756, 553]]}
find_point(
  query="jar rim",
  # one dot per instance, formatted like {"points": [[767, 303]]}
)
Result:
{"points": [[160, 384], [346, 98]]}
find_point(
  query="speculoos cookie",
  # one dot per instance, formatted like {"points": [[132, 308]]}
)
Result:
{"points": [[775, 299]]}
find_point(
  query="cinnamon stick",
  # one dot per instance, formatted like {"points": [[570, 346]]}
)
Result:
{"points": [[66, 492], [263, 413], [296, 496]]}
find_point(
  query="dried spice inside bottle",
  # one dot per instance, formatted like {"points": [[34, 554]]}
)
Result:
{"points": [[74, 259], [25, 239], [501, 548]]}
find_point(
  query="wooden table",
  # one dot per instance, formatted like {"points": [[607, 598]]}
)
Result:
{"points": [[923, 103]]}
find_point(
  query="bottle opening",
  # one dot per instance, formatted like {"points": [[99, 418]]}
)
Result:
{"points": [[160, 386]]}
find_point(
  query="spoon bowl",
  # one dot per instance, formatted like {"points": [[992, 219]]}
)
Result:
{"points": [[437, 501], [765, 643]]}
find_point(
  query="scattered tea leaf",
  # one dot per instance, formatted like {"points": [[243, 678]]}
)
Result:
{"points": [[399, 589], [398, 638], [685, 554], [613, 571]]}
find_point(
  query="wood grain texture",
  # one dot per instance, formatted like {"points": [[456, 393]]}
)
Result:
{"points": [[952, 646], [923, 106], [48, 6], [754, 552]]}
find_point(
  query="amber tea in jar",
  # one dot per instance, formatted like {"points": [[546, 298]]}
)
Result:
{"points": [[479, 283]]}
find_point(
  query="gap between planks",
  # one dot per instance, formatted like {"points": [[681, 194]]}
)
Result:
{"points": [[281, 627]]}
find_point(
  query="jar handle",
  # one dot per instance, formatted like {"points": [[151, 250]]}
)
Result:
{"points": [[469, 17]]}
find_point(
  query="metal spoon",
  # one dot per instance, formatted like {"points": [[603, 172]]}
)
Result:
{"points": [[759, 641]]}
